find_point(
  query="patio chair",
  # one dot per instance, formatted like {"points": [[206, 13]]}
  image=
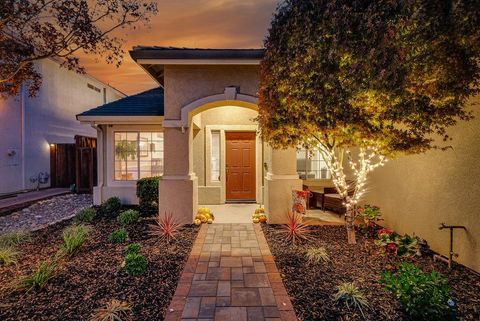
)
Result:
{"points": [[332, 201]]}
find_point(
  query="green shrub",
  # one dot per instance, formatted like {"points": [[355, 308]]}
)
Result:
{"points": [[424, 296], [135, 264], [8, 255], [118, 236], [39, 277], [351, 296], [85, 215], [316, 255], [147, 193], [127, 217], [133, 248], [15, 238], [111, 206], [73, 237]]}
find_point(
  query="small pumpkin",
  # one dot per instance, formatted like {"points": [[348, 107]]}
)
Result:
{"points": [[259, 210], [209, 221], [256, 220], [197, 222]]}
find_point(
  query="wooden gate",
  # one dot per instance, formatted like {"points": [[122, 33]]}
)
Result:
{"points": [[62, 165], [86, 163]]}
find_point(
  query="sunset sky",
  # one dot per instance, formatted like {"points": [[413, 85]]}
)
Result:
{"points": [[188, 23]]}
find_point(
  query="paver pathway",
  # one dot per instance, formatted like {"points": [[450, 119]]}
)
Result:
{"points": [[230, 276]]}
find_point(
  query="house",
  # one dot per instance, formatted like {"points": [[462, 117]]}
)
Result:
{"points": [[198, 131], [37, 133]]}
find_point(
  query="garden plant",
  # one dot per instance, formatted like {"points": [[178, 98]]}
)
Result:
{"points": [[365, 81], [424, 296], [147, 193], [128, 217]]}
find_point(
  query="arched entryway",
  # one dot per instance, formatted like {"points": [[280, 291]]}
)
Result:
{"points": [[212, 137]]}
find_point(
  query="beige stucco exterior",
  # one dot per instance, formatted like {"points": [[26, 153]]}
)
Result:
{"points": [[417, 193], [199, 99]]}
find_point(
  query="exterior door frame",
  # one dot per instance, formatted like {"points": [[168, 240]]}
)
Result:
{"points": [[258, 158], [254, 166]]}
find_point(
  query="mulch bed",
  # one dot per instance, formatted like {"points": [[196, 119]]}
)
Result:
{"points": [[92, 277], [311, 287]]}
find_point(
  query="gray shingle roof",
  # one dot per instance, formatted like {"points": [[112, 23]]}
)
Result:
{"points": [[147, 103], [155, 52]]}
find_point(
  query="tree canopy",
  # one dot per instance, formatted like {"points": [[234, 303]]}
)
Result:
{"points": [[31, 30], [388, 74]]}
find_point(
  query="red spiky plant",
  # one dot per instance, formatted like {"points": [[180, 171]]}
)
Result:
{"points": [[165, 227], [295, 229]]}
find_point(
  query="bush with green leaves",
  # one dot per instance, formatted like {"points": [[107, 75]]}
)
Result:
{"points": [[128, 217], [118, 236], [86, 215], [424, 296], [133, 248], [8, 255], [73, 238], [111, 206], [40, 276], [135, 264], [15, 238], [316, 255], [147, 193], [349, 294]]}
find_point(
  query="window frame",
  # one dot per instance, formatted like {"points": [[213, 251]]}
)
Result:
{"points": [[307, 170], [138, 153], [219, 165]]}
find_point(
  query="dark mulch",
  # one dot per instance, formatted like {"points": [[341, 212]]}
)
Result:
{"points": [[312, 286], [92, 277]]}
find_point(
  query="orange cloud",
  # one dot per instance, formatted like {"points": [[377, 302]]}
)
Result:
{"points": [[187, 23]]}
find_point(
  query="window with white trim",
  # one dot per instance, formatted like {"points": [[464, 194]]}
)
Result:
{"points": [[215, 157], [311, 165], [137, 155]]}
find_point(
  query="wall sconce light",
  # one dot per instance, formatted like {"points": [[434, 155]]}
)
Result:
{"points": [[52, 145]]}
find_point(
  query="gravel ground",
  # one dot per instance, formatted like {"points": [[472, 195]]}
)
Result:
{"points": [[45, 212]]}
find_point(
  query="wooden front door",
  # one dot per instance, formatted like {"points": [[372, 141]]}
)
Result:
{"points": [[240, 166]]}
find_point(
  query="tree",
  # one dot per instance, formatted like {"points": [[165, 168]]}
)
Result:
{"points": [[377, 77], [31, 30]]}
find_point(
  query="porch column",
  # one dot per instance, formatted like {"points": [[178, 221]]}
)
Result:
{"points": [[280, 180], [178, 187]]}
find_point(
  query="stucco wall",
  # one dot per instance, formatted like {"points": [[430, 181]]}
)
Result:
{"points": [[184, 84], [49, 118], [10, 142], [417, 193]]}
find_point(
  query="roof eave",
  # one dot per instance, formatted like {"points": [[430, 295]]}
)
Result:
{"points": [[110, 120], [204, 62]]}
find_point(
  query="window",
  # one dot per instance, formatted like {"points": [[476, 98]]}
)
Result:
{"points": [[215, 157], [138, 155], [311, 165]]}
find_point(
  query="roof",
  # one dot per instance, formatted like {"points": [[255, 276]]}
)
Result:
{"points": [[147, 103], [155, 52]]}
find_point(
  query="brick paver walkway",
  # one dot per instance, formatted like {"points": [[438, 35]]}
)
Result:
{"points": [[230, 276]]}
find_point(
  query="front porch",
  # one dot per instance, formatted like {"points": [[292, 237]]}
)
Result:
{"points": [[201, 166]]}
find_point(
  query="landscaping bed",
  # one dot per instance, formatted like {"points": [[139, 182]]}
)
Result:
{"points": [[312, 286], [93, 276]]}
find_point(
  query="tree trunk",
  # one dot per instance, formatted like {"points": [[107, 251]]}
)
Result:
{"points": [[349, 223]]}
